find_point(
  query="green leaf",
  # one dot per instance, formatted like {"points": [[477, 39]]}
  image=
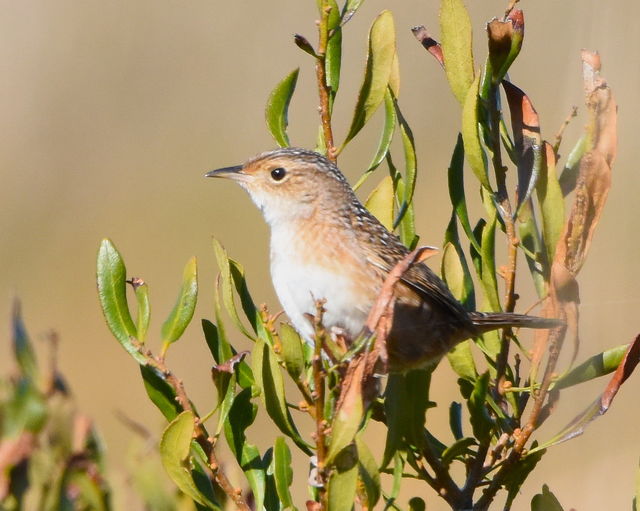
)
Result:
{"points": [[455, 274], [283, 473], [369, 474], [405, 404], [551, 202], [224, 378], [481, 421], [343, 481], [471, 136], [174, 453], [594, 367], [22, 348], [455, 30], [532, 246], [459, 449], [380, 202], [241, 416], [292, 353], [569, 176], [465, 288], [518, 474], [382, 49], [333, 55], [385, 138], [25, 410], [347, 419], [488, 265], [405, 216], [350, 8], [228, 283], [266, 372], [417, 504], [278, 106], [545, 501], [455, 420], [111, 277], [160, 392], [456, 190], [144, 314], [182, 312]]}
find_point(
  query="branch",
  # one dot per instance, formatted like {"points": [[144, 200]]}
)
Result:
{"points": [[201, 436], [321, 74]]}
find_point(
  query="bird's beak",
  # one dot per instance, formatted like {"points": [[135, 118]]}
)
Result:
{"points": [[226, 172]]}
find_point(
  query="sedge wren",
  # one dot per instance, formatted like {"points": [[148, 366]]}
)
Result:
{"points": [[326, 245]]}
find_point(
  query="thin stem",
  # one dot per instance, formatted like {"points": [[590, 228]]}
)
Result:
{"points": [[318, 396], [502, 197], [321, 74], [442, 483]]}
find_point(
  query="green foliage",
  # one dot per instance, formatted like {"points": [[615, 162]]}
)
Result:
{"points": [[492, 436], [492, 446]]}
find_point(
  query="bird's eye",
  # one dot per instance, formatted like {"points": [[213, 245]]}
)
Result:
{"points": [[278, 173]]}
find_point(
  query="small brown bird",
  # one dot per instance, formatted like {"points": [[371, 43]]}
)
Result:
{"points": [[326, 245]]}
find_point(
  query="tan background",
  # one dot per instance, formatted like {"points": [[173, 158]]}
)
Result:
{"points": [[112, 111]]}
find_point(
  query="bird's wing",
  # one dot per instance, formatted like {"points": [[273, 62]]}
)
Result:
{"points": [[420, 280]]}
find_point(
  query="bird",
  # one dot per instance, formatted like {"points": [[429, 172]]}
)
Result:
{"points": [[325, 245]]}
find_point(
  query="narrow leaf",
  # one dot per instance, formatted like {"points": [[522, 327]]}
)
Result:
{"points": [[600, 406], [292, 353], [350, 8], [455, 30], [276, 113], [385, 138], [174, 453], [481, 421], [382, 49], [369, 474], [381, 201], [111, 276], [471, 136], [545, 501], [182, 312], [349, 413], [594, 367], [266, 372], [343, 481], [160, 392], [224, 263], [283, 473], [142, 297], [406, 210], [22, 348], [456, 190], [241, 416], [528, 142]]}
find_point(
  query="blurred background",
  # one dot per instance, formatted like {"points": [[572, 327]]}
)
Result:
{"points": [[112, 111]]}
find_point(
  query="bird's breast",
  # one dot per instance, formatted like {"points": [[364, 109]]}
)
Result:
{"points": [[308, 266]]}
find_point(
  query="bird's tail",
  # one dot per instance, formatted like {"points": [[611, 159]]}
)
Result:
{"points": [[487, 321]]}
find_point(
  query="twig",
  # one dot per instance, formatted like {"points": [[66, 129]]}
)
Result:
{"points": [[318, 396], [321, 74], [442, 483], [556, 145], [512, 240], [201, 435]]}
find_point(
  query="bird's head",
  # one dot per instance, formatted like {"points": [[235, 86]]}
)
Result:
{"points": [[289, 183]]}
